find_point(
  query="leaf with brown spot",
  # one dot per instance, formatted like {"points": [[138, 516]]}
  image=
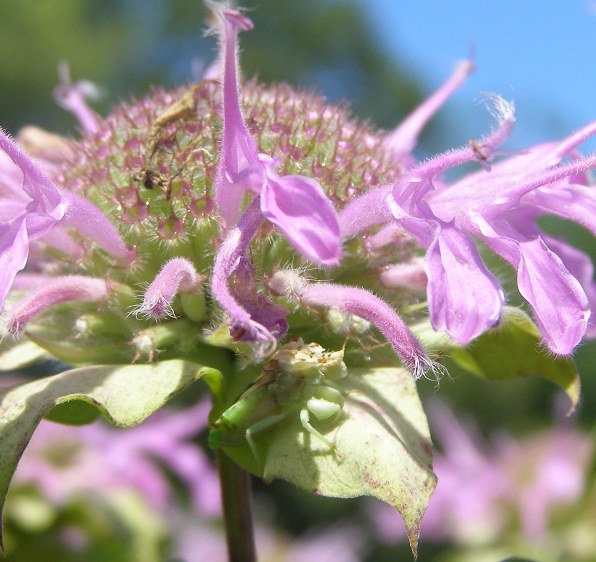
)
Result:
{"points": [[382, 447]]}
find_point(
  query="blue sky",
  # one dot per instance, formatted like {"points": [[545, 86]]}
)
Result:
{"points": [[541, 54]]}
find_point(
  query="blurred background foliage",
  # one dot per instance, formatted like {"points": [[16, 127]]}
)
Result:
{"points": [[128, 46]]}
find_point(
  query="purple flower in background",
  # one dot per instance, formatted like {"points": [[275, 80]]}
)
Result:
{"points": [[63, 461], [482, 488], [204, 544]]}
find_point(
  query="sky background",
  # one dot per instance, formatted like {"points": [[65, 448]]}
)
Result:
{"points": [[541, 54]]}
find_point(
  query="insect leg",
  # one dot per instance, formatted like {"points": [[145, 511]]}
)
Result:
{"points": [[305, 421], [261, 425]]}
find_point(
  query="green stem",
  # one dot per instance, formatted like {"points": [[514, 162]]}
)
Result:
{"points": [[236, 498]]}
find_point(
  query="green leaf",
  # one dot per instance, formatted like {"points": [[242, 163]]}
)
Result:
{"points": [[382, 447], [514, 349], [125, 394], [75, 412]]}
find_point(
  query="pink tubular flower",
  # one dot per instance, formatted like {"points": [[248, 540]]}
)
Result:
{"points": [[297, 205], [351, 300], [252, 318], [30, 205], [499, 206], [58, 290], [177, 275], [357, 302]]}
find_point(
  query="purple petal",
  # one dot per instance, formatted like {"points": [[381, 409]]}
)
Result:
{"points": [[464, 298], [45, 197], [31, 205], [14, 250], [423, 226], [573, 202], [90, 221], [559, 302], [60, 240], [403, 138], [262, 310], [72, 98], [581, 267], [229, 259], [177, 276], [239, 166], [367, 210], [300, 208], [59, 290]]}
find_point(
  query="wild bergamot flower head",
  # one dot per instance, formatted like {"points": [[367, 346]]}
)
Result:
{"points": [[240, 221], [203, 194]]}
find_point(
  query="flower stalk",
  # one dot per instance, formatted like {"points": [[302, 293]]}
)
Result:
{"points": [[237, 510]]}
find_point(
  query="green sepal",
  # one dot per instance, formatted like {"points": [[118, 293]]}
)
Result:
{"points": [[194, 306], [84, 336], [19, 354], [125, 395], [514, 349]]}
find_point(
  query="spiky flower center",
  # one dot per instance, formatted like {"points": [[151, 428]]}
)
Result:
{"points": [[151, 168], [152, 164]]}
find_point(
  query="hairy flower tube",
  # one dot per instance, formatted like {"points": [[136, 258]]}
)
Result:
{"points": [[498, 205]]}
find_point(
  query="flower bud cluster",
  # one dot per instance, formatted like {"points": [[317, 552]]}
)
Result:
{"points": [[307, 360]]}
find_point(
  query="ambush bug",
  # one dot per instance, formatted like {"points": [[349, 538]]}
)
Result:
{"points": [[299, 379]]}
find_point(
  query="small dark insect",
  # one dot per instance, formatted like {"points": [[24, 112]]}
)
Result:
{"points": [[148, 176], [480, 152]]}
